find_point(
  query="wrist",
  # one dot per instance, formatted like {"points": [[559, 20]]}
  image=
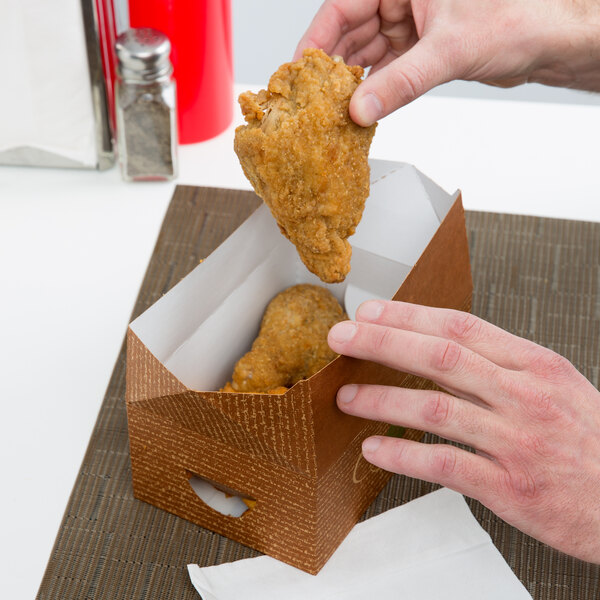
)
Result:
{"points": [[572, 50]]}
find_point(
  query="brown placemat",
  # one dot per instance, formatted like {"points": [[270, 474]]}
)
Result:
{"points": [[539, 278]]}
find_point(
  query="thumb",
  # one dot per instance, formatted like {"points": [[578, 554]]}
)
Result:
{"points": [[401, 81]]}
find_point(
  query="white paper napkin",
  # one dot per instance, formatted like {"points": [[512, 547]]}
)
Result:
{"points": [[429, 549], [47, 104]]}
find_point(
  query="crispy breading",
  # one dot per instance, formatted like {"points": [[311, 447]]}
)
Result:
{"points": [[292, 341], [278, 390], [307, 159]]}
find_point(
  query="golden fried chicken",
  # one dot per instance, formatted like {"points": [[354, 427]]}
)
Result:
{"points": [[278, 390], [307, 159], [292, 341]]}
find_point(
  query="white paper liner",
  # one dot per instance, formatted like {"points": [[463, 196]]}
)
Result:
{"points": [[204, 324]]}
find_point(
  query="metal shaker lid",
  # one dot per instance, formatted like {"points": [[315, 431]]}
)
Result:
{"points": [[143, 54]]}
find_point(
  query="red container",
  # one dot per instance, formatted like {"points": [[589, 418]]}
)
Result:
{"points": [[200, 34], [107, 30]]}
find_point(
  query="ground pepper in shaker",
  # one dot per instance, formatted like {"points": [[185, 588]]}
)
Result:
{"points": [[145, 106]]}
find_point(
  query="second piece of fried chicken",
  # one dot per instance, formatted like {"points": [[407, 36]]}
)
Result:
{"points": [[307, 159], [292, 341]]}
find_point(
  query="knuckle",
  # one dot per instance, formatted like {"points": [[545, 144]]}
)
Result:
{"points": [[550, 365], [410, 314], [447, 356], [416, 78], [462, 326], [358, 58], [444, 462], [438, 409], [378, 401], [521, 485], [350, 47], [340, 14], [397, 456], [381, 340], [407, 84]]}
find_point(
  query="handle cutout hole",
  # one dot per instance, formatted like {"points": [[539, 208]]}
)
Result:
{"points": [[221, 498]]}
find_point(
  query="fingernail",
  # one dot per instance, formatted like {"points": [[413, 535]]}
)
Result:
{"points": [[342, 332], [346, 393], [370, 445], [368, 109], [370, 310]]}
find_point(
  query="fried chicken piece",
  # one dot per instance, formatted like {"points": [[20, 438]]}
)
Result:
{"points": [[278, 390], [307, 159], [292, 341]]}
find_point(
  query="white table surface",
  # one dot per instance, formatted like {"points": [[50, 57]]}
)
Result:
{"points": [[74, 246]]}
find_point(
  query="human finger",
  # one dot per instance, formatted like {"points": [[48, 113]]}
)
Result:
{"points": [[385, 60], [450, 417], [404, 79], [391, 42], [370, 54], [357, 39], [492, 342], [457, 469], [447, 363], [333, 20]]}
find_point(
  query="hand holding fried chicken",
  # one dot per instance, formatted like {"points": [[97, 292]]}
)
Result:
{"points": [[413, 46]]}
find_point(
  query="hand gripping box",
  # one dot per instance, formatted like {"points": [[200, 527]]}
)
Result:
{"points": [[282, 474]]}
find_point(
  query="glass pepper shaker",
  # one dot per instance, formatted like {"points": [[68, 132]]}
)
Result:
{"points": [[145, 106]]}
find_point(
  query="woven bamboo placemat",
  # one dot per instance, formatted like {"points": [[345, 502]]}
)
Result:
{"points": [[538, 278]]}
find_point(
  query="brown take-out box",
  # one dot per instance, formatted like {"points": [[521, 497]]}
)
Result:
{"points": [[284, 473]]}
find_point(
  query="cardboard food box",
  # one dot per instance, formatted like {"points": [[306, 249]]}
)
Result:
{"points": [[282, 474]]}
